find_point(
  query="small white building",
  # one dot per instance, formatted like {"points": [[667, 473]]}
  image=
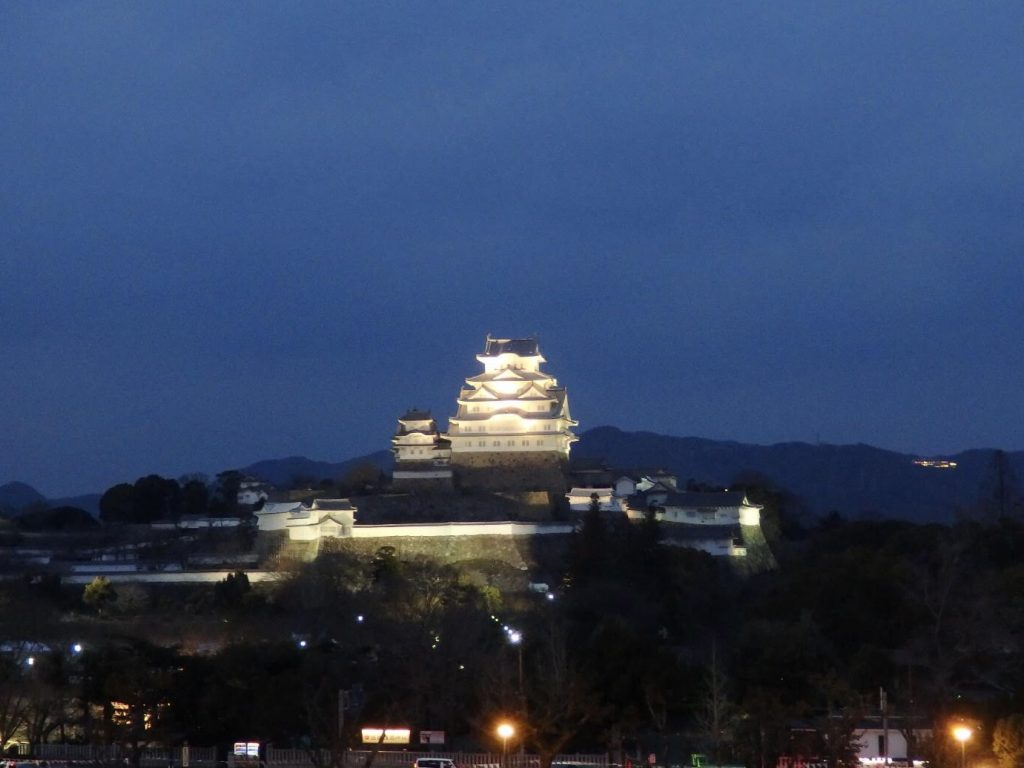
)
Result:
{"points": [[421, 452], [628, 485], [324, 518], [878, 745], [695, 508], [710, 522], [580, 499], [274, 514], [252, 491]]}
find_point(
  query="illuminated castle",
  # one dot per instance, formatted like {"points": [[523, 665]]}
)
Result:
{"points": [[512, 430], [512, 407]]}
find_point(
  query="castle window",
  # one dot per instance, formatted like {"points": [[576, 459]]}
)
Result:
{"points": [[511, 443], [482, 443], [496, 443]]}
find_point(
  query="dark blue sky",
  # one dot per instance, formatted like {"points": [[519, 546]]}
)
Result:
{"points": [[231, 232]]}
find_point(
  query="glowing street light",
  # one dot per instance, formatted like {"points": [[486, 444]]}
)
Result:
{"points": [[962, 733], [505, 732]]}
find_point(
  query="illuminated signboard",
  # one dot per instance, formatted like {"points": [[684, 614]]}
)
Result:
{"points": [[247, 749], [385, 735]]}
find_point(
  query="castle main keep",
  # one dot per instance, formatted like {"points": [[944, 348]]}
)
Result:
{"points": [[511, 432]]}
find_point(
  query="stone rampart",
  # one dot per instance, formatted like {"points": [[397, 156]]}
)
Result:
{"points": [[521, 553], [515, 472]]}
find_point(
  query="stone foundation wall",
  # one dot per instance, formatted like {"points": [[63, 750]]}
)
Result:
{"points": [[522, 554], [426, 485], [515, 472]]}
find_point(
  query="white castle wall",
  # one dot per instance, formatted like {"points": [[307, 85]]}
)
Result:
{"points": [[458, 529]]}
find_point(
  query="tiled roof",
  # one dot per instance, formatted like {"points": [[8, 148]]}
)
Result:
{"points": [[333, 504], [524, 347], [275, 507], [414, 414]]}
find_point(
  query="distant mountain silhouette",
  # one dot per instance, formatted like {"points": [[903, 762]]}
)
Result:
{"points": [[282, 472], [90, 502], [14, 497], [855, 480]]}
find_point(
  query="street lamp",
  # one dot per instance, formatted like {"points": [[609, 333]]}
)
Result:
{"points": [[962, 733], [505, 731], [515, 637]]}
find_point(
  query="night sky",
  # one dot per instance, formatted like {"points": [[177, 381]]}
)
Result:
{"points": [[237, 231]]}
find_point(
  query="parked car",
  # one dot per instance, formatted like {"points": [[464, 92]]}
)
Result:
{"points": [[434, 762]]}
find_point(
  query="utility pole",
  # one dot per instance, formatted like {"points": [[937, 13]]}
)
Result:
{"points": [[885, 726], [342, 706]]}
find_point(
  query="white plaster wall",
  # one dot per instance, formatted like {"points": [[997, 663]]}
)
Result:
{"points": [[458, 529], [750, 515], [470, 443], [712, 547], [721, 516], [867, 742]]}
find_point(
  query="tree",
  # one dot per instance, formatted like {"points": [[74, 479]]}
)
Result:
{"points": [[1004, 493], [589, 549], [232, 591], [57, 519], [155, 498], [117, 504], [130, 599], [715, 711], [561, 699], [99, 594], [47, 697], [363, 477], [195, 497], [225, 499], [130, 682], [1008, 741], [13, 703]]}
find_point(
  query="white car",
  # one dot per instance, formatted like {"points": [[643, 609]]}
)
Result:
{"points": [[434, 762]]}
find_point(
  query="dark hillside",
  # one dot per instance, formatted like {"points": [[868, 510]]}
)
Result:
{"points": [[859, 481]]}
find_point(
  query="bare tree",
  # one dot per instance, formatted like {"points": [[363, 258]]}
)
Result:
{"points": [[561, 699], [715, 711], [13, 703]]}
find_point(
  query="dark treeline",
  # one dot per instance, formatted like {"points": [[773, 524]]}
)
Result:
{"points": [[155, 498], [645, 648]]}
